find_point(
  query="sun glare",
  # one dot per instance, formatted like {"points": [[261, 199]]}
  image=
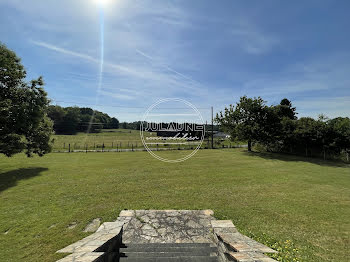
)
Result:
{"points": [[103, 3]]}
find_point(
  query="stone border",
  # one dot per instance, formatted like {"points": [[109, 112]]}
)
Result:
{"points": [[234, 246], [88, 249]]}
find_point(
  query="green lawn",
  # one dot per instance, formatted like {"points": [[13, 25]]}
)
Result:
{"points": [[110, 138], [299, 206], [121, 139]]}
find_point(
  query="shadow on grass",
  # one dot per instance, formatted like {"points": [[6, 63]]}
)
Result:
{"points": [[295, 158], [10, 178]]}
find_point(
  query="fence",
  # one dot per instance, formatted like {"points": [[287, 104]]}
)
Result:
{"points": [[127, 146]]}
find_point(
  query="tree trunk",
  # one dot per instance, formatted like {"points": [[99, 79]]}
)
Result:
{"points": [[306, 150], [249, 145]]}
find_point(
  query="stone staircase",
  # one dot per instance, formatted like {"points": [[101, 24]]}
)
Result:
{"points": [[161, 252], [167, 235]]}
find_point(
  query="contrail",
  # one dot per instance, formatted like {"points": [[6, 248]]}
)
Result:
{"points": [[167, 67]]}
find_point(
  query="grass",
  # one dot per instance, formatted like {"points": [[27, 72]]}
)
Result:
{"points": [[296, 205], [118, 138], [110, 138]]}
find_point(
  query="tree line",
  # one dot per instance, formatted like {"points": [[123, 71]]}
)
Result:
{"points": [[278, 129], [70, 120]]}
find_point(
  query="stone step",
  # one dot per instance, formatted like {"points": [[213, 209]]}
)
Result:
{"points": [[146, 248], [197, 253], [249, 257], [169, 259], [131, 245]]}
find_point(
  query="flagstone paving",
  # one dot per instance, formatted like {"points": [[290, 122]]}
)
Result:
{"points": [[156, 226], [167, 230]]}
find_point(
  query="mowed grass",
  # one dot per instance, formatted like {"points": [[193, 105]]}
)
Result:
{"points": [[122, 139], [299, 206], [110, 138]]}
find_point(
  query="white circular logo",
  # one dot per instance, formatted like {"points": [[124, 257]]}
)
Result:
{"points": [[177, 124]]}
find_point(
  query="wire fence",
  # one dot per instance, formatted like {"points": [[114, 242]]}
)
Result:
{"points": [[131, 146]]}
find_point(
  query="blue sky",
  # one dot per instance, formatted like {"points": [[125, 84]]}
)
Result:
{"points": [[207, 52]]}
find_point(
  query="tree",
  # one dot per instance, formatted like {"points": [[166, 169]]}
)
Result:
{"points": [[287, 134], [340, 133], [306, 132], [286, 109], [278, 129], [246, 120], [24, 124], [114, 123], [57, 114], [71, 120], [281, 126]]}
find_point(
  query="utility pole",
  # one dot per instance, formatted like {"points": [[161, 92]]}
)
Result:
{"points": [[212, 128], [207, 132]]}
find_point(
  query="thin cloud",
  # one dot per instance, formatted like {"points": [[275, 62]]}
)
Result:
{"points": [[156, 77], [65, 51], [167, 67], [253, 40], [116, 95]]}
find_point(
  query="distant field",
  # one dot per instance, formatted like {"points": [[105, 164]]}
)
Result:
{"points": [[296, 205], [113, 139], [110, 138]]}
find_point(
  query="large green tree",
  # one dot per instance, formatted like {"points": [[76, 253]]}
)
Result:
{"points": [[340, 133], [24, 125], [246, 121]]}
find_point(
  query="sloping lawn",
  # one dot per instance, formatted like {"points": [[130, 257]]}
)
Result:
{"points": [[296, 205]]}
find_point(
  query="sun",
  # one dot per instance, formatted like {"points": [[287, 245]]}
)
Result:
{"points": [[103, 3]]}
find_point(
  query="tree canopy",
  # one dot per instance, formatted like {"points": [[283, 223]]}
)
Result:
{"points": [[70, 120], [245, 120], [278, 129], [24, 125]]}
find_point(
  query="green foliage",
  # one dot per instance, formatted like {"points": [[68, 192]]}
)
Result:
{"points": [[277, 128], [340, 132], [133, 125], [286, 109], [70, 120], [246, 120], [24, 124]]}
